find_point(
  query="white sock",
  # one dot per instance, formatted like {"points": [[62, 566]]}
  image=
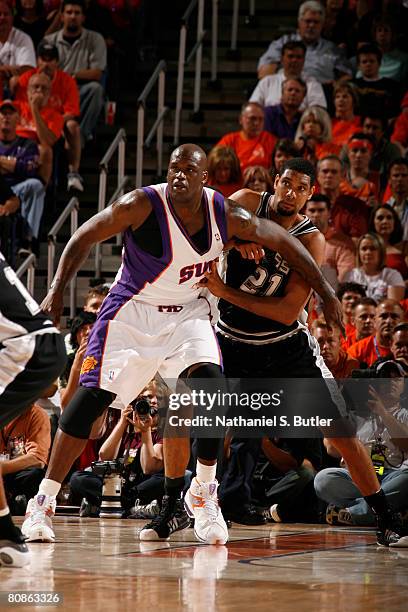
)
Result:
{"points": [[4, 511], [206, 473], [49, 487]]}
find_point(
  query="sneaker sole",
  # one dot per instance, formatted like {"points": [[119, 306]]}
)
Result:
{"points": [[39, 536], [10, 557], [402, 543]]}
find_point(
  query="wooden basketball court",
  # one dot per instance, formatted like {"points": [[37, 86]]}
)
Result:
{"points": [[101, 565]]}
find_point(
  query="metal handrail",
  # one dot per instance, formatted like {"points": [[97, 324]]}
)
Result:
{"points": [[28, 266], [118, 144], [71, 210], [159, 75], [235, 18], [182, 63]]}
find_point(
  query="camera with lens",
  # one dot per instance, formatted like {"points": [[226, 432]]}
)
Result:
{"points": [[143, 408], [111, 473]]}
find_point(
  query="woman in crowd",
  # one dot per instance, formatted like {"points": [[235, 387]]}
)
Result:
{"points": [[284, 149], [258, 179], [224, 171], [385, 222], [314, 135], [370, 270], [345, 122]]}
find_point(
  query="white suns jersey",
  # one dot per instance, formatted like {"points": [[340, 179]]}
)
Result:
{"points": [[171, 278]]}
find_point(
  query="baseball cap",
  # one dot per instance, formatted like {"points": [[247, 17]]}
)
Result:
{"points": [[47, 49], [8, 104]]}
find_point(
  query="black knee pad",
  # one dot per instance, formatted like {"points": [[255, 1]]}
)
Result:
{"points": [[82, 411]]}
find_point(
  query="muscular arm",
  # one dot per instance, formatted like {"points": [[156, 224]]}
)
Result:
{"points": [[284, 309], [130, 210]]}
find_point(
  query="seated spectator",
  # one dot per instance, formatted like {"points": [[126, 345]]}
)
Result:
{"points": [[79, 333], [398, 183], [384, 151], [359, 181], [258, 179], [9, 205], [282, 120], [399, 344], [313, 136], [363, 319], [335, 357], [399, 135], [394, 63], [376, 93], [64, 99], [17, 51], [252, 144], [339, 254], [138, 441], [348, 214], [349, 294], [30, 18], [24, 445], [268, 92], [324, 60], [345, 122], [20, 167], [388, 427], [385, 222], [370, 271], [270, 479], [40, 122], [339, 23], [95, 297], [284, 149], [82, 54], [224, 171], [388, 315]]}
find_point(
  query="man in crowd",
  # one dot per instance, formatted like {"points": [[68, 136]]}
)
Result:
{"points": [[359, 181], [82, 54], [17, 50], [363, 320], [335, 357], [339, 252], [310, 23], [387, 315], [252, 144], [348, 214], [282, 120], [349, 294], [64, 99], [398, 182], [20, 167], [384, 151], [268, 92]]}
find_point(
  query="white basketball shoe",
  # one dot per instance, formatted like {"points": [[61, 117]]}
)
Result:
{"points": [[37, 526], [202, 504], [14, 554]]}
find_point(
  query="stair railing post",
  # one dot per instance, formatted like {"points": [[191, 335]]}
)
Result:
{"points": [[199, 57]]}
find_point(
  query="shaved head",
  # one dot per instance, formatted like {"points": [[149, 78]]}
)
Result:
{"points": [[191, 151]]}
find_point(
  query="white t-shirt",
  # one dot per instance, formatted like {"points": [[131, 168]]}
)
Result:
{"points": [[378, 284], [269, 91], [18, 50]]}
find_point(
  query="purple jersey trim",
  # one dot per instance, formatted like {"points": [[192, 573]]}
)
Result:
{"points": [[219, 211], [139, 267], [97, 339], [207, 222]]}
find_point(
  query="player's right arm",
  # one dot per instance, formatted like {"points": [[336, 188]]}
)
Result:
{"points": [[130, 210]]}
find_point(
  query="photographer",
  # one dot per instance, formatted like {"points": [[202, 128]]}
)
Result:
{"points": [[135, 439], [384, 431]]}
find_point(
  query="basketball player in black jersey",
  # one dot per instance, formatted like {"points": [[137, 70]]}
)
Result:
{"points": [[32, 355], [260, 328]]}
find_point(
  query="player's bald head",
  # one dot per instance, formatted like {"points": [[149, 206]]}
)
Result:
{"points": [[190, 151]]}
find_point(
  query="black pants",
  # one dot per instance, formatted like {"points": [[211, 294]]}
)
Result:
{"points": [[25, 482]]}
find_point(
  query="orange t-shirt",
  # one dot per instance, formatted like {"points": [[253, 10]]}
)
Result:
{"points": [[342, 130], [251, 151], [327, 148], [29, 433], [368, 351], [344, 366], [362, 193], [64, 97], [349, 339], [26, 127]]}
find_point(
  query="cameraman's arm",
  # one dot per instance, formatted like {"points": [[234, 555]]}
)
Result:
{"points": [[151, 455], [398, 431], [110, 448]]}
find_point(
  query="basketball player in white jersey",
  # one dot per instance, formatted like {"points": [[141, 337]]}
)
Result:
{"points": [[32, 355], [260, 328], [156, 319]]}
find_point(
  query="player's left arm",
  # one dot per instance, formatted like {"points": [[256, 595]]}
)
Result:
{"points": [[284, 309]]}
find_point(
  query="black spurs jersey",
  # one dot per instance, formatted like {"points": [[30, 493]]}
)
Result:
{"points": [[19, 312], [268, 278]]}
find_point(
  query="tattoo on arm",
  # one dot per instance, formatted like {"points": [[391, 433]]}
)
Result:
{"points": [[241, 217]]}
